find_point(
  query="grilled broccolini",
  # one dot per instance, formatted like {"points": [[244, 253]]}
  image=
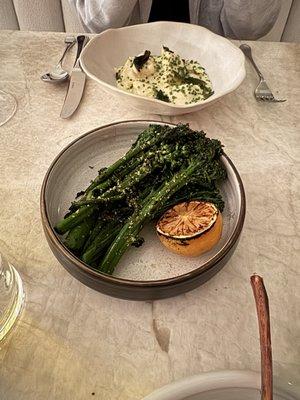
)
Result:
{"points": [[164, 166]]}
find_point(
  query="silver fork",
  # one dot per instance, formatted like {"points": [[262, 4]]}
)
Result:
{"points": [[262, 92]]}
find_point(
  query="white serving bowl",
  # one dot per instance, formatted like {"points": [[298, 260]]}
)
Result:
{"points": [[223, 61], [221, 385]]}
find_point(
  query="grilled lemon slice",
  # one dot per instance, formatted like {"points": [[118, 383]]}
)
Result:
{"points": [[190, 228]]}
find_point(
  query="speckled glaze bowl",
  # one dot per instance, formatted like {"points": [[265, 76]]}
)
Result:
{"points": [[223, 61], [148, 272]]}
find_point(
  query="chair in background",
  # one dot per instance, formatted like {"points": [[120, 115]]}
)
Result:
{"points": [[39, 15]]}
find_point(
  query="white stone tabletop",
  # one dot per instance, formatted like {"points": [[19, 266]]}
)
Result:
{"points": [[72, 342]]}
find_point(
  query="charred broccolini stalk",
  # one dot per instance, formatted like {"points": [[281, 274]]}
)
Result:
{"points": [[163, 167], [151, 206], [148, 138]]}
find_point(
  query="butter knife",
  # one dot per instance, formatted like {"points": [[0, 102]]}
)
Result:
{"points": [[76, 84]]}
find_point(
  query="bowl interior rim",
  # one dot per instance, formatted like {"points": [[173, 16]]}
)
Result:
{"points": [[57, 243], [220, 379], [171, 106]]}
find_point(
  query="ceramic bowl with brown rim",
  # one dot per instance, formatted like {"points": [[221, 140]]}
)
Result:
{"points": [[150, 271]]}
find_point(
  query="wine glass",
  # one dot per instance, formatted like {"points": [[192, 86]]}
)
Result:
{"points": [[11, 296], [8, 106]]}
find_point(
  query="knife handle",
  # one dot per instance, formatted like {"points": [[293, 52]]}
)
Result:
{"points": [[81, 42]]}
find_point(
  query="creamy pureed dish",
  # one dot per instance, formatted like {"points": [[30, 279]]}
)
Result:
{"points": [[167, 77]]}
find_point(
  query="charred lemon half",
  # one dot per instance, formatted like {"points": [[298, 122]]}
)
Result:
{"points": [[190, 228]]}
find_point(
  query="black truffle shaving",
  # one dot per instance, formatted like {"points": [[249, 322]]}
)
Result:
{"points": [[160, 95], [167, 49], [140, 61]]}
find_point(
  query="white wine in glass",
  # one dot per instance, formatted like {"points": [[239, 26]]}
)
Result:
{"points": [[8, 107], [11, 296]]}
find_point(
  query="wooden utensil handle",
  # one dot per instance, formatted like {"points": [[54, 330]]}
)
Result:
{"points": [[263, 315]]}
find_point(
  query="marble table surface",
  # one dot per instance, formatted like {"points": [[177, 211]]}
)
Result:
{"points": [[75, 343]]}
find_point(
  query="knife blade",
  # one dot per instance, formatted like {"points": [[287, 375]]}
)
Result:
{"points": [[76, 84]]}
